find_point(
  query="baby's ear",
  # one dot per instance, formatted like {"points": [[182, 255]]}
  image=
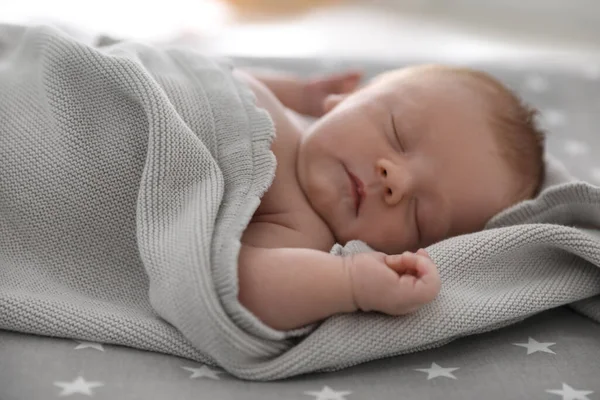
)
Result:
{"points": [[332, 100]]}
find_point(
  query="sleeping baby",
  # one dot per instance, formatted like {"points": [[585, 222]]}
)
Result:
{"points": [[416, 156]]}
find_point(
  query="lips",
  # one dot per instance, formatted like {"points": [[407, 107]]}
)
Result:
{"points": [[357, 190]]}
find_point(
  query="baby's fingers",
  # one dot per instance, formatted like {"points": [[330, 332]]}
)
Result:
{"points": [[423, 253], [344, 82], [410, 263], [405, 263], [350, 81], [425, 281]]}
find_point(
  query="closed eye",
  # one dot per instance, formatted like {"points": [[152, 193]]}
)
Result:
{"points": [[396, 133], [415, 211]]}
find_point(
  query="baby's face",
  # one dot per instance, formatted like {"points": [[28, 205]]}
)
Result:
{"points": [[423, 150]]}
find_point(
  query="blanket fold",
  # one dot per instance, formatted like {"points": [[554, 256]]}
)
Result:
{"points": [[128, 174]]}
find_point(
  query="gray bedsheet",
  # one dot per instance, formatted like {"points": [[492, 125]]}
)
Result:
{"points": [[490, 365]]}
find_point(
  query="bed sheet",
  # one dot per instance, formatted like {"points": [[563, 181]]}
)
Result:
{"points": [[553, 355], [548, 356]]}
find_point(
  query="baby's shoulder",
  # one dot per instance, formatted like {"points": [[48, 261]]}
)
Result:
{"points": [[288, 229], [284, 218]]}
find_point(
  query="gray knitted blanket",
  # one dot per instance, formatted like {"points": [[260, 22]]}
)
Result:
{"points": [[128, 174]]}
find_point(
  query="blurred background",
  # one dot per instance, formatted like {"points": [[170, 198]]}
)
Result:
{"points": [[548, 31]]}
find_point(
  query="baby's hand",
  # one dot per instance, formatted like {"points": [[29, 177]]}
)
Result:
{"points": [[317, 89], [393, 284]]}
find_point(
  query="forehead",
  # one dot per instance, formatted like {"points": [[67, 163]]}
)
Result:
{"points": [[428, 83], [436, 102]]}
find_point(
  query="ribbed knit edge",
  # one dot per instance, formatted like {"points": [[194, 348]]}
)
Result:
{"points": [[262, 131]]}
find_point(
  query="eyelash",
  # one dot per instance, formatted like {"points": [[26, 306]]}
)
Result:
{"points": [[396, 135], [419, 238], [417, 221]]}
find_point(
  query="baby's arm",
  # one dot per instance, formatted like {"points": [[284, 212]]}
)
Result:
{"points": [[287, 87], [305, 96], [288, 288]]}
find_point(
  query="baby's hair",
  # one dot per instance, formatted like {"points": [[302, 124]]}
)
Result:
{"points": [[520, 139]]}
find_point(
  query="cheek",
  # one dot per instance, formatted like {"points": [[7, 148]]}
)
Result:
{"points": [[320, 140], [384, 233], [345, 128], [332, 136]]}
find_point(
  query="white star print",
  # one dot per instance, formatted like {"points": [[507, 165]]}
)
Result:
{"points": [[568, 393], [536, 83], [203, 372], [596, 174], [79, 385], [85, 345], [435, 370], [328, 394], [533, 346], [553, 118], [576, 148]]}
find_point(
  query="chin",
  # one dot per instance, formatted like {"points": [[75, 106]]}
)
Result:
{"points": [[344, 236]]}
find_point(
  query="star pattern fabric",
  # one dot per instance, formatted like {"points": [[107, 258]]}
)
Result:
{"points": [[595, 175], [329, 394], [83, 387], [576, 148], [436, 371], [202, 372], [536, 83], [554, 118], [79, 385], [568, 393], [534, 346]]}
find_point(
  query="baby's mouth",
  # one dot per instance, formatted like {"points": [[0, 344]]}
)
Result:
{"points": [[357, 190]]}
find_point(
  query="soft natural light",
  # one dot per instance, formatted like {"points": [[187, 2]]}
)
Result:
{"points": [[128, 18]]}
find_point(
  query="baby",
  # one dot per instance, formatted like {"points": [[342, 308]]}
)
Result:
{"points": [[416, 156]]}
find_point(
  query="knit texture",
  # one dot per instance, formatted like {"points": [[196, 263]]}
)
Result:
{"points": [[128, 174]]}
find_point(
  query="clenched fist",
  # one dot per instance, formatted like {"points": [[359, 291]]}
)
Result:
{"points": [[393, 284]]}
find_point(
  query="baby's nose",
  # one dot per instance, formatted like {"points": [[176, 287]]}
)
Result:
{"points": [[395, 180]]}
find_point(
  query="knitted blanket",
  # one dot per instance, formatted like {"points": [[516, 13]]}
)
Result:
{"points": [[128, 174]]}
